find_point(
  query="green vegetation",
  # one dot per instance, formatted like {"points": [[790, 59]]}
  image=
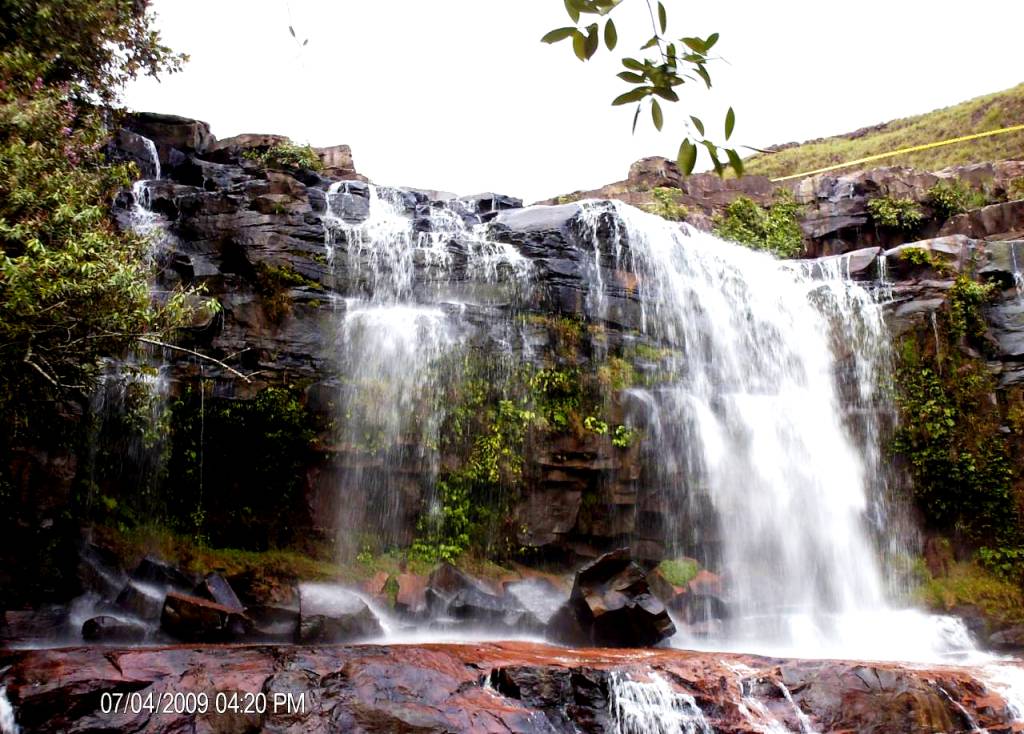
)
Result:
{"points": [[924, 257], [990, 112], [775, 229], [889, 212], [952, 196], [273, 282], [679, 572], [950, 431], [494, 411], [665, 205], [235, 471], [969, 584], [966, 299], [73, 288], [286, 155]]}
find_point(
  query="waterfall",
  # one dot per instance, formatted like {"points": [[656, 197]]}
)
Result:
{"points": [[396, 334], [769, 362], [7, 722], [653, 707]]}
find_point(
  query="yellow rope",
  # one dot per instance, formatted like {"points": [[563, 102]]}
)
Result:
{"points": [[901, 151]]}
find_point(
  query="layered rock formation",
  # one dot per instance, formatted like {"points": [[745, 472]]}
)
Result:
{"points": [[509, 687]]}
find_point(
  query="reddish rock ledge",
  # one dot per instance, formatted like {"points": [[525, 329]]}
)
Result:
{"points": [[499, 687]]}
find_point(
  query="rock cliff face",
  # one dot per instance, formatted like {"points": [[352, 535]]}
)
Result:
{"points": [[509, 687], [261, 243], [835, 217]]}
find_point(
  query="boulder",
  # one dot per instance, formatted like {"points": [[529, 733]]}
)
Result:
{"points": [[337, 161], [145, 601], [446, 581], [411, 598], [171, 132], [273, 623], [44, 623], [611, 605], [329, 613], [112, 629], [152, 570], [131, 147], [1011, 639], [216, 588], [99, 571], [1001, 220], [193, 619]]}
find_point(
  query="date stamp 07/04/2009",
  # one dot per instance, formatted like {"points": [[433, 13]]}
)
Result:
{"points": [[218, 702]]}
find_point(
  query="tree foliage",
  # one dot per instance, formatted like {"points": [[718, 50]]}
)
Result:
{"points": [[72, 287], [86, 47], [656, 77]]}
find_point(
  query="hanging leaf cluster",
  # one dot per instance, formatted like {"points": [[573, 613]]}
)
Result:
{"points": [[655, 78]]}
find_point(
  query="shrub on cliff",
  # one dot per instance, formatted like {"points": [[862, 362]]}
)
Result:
{"points": [[287, 155], [894, 213], [775, 229]]}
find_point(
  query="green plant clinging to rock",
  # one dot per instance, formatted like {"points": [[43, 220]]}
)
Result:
{"points": [[951, 197], [950, 431], [286, 155], [775, 229], [665, 205], [894, 213]]}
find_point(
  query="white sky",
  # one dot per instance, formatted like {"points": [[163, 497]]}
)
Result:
{"points": [[459, 95]]}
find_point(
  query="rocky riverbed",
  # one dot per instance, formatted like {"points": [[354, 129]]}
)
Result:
{"points": [[499, 687]]}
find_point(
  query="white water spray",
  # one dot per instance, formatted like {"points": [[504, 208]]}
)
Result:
{"points": [[8, 725], [653, 707], [769, 361]]}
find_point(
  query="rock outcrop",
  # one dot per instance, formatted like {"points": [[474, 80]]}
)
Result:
{"points": [[611, 605], [510, 687]]}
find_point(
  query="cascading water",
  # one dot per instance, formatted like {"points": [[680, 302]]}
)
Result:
{"points": [[8, 725], [653, 707], [767, 360], [394, 331]]}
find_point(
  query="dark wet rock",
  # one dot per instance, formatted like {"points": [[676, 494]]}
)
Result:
{"points": [[112, 629], [274, 623], [611, 605], [509, 687], [216, 588], [145, 601], [479, 608], [1005, 220], [446, 580], [332, 614], [99, 571], [131, 147], [350, 201], [858, 264], [192, 619], [171, 133], [47, 622], [453, 593], [1010, 639], [152, 570]]}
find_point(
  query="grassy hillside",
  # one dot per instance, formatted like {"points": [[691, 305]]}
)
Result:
{"points": [[990, 112]]}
